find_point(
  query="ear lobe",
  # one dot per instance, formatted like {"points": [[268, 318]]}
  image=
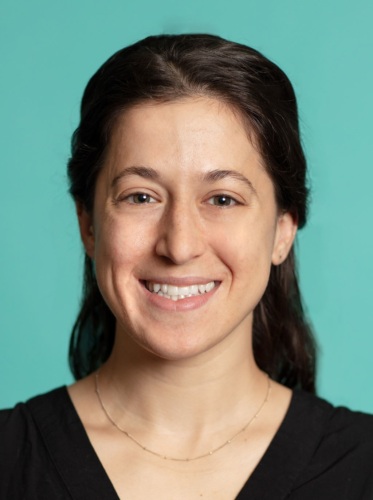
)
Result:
{"points": [[285, 234], [86, 229]]}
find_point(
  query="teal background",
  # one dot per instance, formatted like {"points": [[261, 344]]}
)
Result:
{"points": [[49, 49]]}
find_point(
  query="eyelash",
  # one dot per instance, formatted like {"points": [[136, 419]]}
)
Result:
{"points": [[146, 200], [131, 198], [226, 197]]}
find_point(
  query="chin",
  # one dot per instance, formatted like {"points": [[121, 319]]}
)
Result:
{"points": [[167, 347]]}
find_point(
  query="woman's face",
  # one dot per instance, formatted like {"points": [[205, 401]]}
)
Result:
{"points": [[184, 228]]}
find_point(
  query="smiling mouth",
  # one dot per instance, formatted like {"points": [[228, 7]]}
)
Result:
{"points": [[176, 293]]}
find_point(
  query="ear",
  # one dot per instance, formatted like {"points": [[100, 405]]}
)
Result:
{"points": [[86, 229], [285, 234]]}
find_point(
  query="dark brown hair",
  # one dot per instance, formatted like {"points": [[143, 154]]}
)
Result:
{"points": [[169, 67]]}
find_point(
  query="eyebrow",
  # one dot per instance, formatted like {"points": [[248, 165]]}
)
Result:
{"points": [[217, 175], [211, 176], [145, 172]]}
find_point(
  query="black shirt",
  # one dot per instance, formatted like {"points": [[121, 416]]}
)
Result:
{"points": [[319, 453]]}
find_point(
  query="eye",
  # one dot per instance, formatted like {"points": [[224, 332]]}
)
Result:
{"points": [[222, 200], [139, 199]]}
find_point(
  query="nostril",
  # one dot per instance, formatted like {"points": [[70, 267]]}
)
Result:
{"points": [[180, 239]]}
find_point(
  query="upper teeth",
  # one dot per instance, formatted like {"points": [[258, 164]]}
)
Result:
{"points": [[179, 292]]}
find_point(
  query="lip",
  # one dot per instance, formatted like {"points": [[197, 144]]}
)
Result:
{"points": [[172, 280], [187, 304]]}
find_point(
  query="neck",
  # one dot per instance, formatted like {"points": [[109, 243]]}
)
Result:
{"points": [[194, 394]]}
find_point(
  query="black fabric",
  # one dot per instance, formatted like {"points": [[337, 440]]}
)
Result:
{"points": [[319, 453]]}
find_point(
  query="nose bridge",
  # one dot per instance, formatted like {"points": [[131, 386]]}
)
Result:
{"points": [[181, 236]]}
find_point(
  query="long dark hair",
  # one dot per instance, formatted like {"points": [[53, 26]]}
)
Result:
{"points": [[168, 67]]}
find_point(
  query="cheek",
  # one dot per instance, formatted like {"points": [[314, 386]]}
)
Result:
{"points": [[120, 238], [247, 251], [119, 245]]}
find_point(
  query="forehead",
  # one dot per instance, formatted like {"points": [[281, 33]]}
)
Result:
{"points": [[190, 132]]}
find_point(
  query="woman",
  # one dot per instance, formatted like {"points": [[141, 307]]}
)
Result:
{"points": [[191, 344]]}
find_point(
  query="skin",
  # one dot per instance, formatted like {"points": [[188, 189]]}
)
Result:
{"points": [[182, 377]]}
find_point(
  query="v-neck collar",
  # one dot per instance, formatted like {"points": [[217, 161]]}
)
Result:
{"points": [[70, 448], [84, 476], [291, 449]]}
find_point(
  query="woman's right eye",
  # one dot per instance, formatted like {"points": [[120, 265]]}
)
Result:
{"points": [[139, 199]]}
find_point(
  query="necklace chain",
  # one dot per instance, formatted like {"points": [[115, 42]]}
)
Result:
{"points": [[175, 459]]}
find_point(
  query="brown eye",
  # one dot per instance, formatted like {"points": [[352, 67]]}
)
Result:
{"points": [[139, 199], [222, 200]]}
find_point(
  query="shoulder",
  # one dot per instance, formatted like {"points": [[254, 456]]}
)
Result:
{"points": [[13, 429], [337, 421], [20, 427], [342, 448], [20, 420], [354, 425], [24, 458]]}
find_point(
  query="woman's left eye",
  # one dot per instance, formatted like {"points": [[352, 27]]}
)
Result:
{"points": [[140, 199], [222, 200]]}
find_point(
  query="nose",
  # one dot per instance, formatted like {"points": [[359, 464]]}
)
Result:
{"points": [[181, 237]]}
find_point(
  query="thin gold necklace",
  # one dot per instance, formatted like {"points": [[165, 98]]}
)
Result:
{"points": [[175, 459]]}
